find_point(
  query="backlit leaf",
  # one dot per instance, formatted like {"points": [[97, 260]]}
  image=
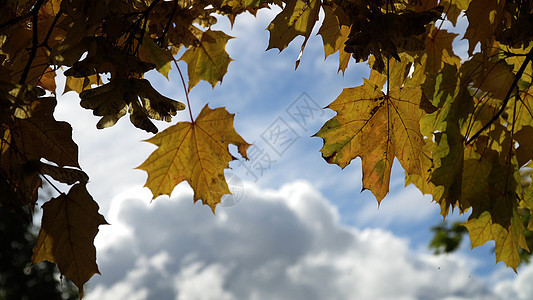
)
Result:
{"points": [[490, 76], [378, 128], [156, 55], [41, 136], [483, 16], [208, 60], [79, 85], [297, 18], [197, 153], [507, 239], [334, 34], [454, 8], [69, 225], [439, 50]]}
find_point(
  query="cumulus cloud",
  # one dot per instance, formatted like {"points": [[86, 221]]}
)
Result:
{"points": [[518, 288], [274, 244]]}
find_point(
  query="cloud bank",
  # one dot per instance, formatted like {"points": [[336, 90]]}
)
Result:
{"points": [[274, 244]]}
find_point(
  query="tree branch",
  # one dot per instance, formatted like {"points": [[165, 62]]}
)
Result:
{"points": [[161, 39], [529, 57], [146, 14], [44, 43], [35, 40]]}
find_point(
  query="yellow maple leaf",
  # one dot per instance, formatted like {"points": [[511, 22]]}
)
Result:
{"points": [[69, 225], [334, 33], [454, 8], [377, 127], [208, 60], [196, 152]]}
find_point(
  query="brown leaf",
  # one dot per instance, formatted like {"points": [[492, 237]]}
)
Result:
{"points": [[41, 136], [483, 17], [439, 50]]}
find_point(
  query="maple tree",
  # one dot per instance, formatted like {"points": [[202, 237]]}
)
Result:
{"points": [[461, 128]]}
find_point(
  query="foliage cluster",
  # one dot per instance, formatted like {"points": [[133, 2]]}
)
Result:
{"points": [[462, 129]]}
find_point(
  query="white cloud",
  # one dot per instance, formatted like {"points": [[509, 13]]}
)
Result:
{"points": [[404, 206], [274, 244], [519, 287], [191, 282]]}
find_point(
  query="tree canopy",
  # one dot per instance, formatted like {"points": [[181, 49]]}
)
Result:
{"points": [[461, 127]]}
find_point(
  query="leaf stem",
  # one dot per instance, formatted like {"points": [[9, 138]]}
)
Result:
{"points": [[528, 58], [185, 88]]}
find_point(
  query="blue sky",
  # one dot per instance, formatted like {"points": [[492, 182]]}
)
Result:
{"points": [[300, 230]]}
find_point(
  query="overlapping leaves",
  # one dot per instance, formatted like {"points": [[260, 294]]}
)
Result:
{"points": [[471, 148], [104, 49], [461, 128]]}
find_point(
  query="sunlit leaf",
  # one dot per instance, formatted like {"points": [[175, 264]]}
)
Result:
{"points": [[377, 127], [208, 60], [197, 153], [156, 55]]}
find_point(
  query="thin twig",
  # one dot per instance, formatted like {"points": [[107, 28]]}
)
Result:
{"points": [[146, 14], [35, 40], [161, 39], [44, 43]]}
